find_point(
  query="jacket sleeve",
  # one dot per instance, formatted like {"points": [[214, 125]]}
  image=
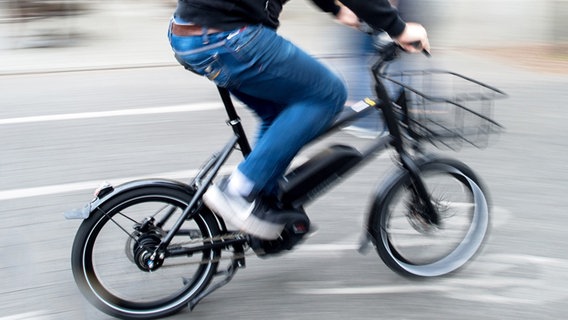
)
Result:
{"points": [[327, 6], [379, 14]]}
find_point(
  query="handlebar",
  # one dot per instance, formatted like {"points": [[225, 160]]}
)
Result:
{"points": [[382, 39], [388, 49], [439, 106]]}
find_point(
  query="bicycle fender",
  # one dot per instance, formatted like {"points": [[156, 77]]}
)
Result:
{"points": [[106, 192], [379, 199]]}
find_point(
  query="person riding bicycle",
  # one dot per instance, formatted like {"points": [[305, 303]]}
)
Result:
{"points": [[235, 44]]}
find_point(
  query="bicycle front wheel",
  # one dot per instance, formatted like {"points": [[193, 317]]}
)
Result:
{"points": [[409, 243], [111, 249]]}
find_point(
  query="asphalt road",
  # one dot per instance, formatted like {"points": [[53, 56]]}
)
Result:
{"points": [[58, 141]]}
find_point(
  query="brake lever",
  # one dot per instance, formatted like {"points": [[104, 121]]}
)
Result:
{"points": [[418, 45], [383, 37]]}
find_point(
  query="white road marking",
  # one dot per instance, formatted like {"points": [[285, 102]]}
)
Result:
{"points": [[115, 113], [309, 248], [85, 185], [32, 315], [372, 290], [495, 281], [93, 184]]}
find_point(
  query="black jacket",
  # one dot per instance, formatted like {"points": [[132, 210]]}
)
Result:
{"points": [[233, 14]]}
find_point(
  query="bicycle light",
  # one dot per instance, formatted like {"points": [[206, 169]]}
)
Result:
{"points": [[104, 189]]}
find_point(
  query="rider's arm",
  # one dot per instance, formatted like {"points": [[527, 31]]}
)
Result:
{"points": [[379, 14], [329, 6]]}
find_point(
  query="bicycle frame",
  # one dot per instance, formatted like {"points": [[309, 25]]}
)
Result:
{"points": [[291, 196], [146, 213]]}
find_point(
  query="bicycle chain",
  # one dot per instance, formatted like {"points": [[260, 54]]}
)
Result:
{"points": [[221, 238], [224, 237]]}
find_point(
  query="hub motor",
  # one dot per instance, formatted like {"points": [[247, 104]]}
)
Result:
{"points": [[144, 250]]}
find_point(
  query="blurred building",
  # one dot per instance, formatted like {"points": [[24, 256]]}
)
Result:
{"points": [[103, 32]]}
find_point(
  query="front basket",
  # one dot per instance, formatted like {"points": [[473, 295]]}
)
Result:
{"points": [[445, 108]]}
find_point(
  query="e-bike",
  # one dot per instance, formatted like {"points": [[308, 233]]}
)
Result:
{"points": [[148, 248]]}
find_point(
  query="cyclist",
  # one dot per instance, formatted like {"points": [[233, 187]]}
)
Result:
{"points": [[235, 44]]}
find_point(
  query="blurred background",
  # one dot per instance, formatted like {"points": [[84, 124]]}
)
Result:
{"points": [[78, 34], [90, 91]]}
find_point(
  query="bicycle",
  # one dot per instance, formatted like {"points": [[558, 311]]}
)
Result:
{"points": [[172, 246]]}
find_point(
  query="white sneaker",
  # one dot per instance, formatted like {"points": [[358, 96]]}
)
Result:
{"points": [[251, 217]]}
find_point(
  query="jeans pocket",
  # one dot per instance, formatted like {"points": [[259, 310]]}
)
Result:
{"points": [[209, 66], [240, 42]]}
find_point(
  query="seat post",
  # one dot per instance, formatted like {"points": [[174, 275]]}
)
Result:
{"points": [[234, 121]]}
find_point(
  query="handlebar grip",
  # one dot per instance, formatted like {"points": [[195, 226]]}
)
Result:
{"points": [[385, 44], [418, 45]]}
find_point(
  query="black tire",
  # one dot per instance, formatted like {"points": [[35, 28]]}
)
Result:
{"points": [[104, 254], [415, 248]]}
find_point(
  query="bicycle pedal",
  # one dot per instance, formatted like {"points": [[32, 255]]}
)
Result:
{"points": [[312, 232], [294, 233]]}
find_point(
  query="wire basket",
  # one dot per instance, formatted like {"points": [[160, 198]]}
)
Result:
{"points": [[445, 108]]}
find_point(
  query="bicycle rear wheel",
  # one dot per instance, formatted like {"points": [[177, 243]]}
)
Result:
{"points": [[110, 251], [413, 246]]}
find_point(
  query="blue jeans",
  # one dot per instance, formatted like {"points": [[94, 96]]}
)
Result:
{"points": [[294, 95]]}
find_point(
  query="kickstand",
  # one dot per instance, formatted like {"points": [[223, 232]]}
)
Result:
{"points": [[236, 263]]}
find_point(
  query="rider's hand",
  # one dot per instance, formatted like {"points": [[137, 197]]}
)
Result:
{"points": [[347, 17], [413, 32]]}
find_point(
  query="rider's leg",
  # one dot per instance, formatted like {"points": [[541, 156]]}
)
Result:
{"points": [[297, 98], [267, 111], [295, 95], [296, 125]]}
